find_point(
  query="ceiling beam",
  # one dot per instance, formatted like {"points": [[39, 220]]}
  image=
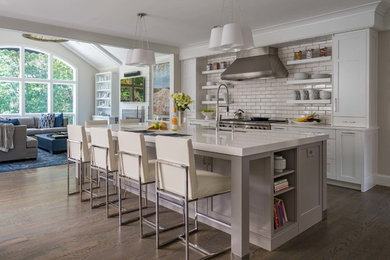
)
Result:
{"points": [[108, 54], [79, 35]]}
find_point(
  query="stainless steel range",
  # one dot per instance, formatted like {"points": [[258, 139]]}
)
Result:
{"points": [[248, 124]]}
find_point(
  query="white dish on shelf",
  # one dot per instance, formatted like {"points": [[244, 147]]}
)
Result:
{"points": [[320, 76], [208, 115], [211, 83]]}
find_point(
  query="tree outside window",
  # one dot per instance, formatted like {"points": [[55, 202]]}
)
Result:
{"points": [[9, 97], [47, 80]]}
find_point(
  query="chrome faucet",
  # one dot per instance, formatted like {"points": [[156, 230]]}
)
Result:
{"points": [[219, 117]]}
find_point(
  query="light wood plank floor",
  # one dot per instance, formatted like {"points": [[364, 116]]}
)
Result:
{"points": [[38, 221]]}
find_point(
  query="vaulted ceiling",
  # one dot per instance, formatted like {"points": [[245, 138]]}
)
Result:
{"points": [[172, 22]]}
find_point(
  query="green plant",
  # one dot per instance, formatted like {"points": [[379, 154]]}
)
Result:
{"points": [[181, 101]]}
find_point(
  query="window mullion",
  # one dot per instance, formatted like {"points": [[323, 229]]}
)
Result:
{"points": [[22, 84], [50, 101]]}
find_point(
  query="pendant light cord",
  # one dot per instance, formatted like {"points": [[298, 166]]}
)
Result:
{"points": [[141, 32]]}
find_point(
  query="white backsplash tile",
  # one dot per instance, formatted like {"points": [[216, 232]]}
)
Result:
{"points": [[268, 97]]}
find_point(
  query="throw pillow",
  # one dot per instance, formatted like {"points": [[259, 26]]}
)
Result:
{"points": [[59, 120], [46, 121], [10, 121]]}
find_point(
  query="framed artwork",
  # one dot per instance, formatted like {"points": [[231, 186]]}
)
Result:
{"points": [[133, 89], [161, 89]]}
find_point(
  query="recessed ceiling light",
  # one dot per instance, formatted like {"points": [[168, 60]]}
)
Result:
{"points": [[42, 38]]}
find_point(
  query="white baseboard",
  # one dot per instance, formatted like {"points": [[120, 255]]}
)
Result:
{"points": [[383, 180]]}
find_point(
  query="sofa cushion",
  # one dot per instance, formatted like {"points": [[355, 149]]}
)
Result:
{"points": [[31, 142], [46, 121], [33, 131], [59, 120], [27, 121]]}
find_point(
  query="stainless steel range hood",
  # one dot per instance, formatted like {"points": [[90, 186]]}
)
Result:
{"points": [[256, 63]]}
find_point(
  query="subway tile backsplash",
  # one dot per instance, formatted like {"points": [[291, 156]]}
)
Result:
{"points": [[268, 97]]}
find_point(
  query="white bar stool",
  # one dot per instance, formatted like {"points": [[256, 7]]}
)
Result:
{"points": [[92, 123], [103, 159], [177, 177], [77, 152], [134, 166]]}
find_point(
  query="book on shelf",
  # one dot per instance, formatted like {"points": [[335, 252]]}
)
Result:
{"points": [[280, 214], [281, 185]]}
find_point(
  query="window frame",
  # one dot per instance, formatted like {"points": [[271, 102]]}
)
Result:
{"points": [[22, 80]]}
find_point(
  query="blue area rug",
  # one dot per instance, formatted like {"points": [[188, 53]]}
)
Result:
{"points": [[44, 159]]}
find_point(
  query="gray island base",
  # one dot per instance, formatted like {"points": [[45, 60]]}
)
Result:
{"points": [[248, 159]]}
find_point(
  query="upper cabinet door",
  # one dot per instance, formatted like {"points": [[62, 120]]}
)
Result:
{"points": [[350, 51]]}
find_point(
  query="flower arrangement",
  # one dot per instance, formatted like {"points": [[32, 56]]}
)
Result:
{"points": [[181, 101]]}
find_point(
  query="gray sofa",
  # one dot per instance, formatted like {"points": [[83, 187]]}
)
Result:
{"points": [[25, 147], [32, 126]]}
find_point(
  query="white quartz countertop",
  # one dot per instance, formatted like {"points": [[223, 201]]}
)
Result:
{"points": [[238, 143], [323, 126]]}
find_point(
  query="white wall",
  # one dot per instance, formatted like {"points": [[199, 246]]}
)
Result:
{"points": [[85, 96], [384, 102], [147, 73]]}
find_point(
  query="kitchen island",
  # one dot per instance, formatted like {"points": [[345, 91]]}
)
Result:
{"points": [[248, 159]]}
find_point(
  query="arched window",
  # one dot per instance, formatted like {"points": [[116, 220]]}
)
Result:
{"points": [[34, 81]]}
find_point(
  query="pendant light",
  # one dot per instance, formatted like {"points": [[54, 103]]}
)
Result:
{"points": [[232, 36], [141, 56]]}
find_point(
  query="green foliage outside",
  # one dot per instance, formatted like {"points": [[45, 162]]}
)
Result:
{"points": [[62, 71], [36, 97], [36, 65], [9, 66], [63, 101], [9, 97]]}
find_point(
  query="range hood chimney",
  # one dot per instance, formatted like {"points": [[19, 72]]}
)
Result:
{"points": [[256, 63]]}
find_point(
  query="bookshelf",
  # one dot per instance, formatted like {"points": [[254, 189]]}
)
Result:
{"points": [[288, 196], [106, 96]]}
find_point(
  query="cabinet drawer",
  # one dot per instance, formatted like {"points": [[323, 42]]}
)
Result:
{"points": [[330, 132], [350, 121]]}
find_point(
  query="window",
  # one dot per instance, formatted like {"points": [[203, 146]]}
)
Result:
{"points": [[34, 82], [9, 98]]}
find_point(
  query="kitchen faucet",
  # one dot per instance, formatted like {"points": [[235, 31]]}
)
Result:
{"points": [[218, 106]]}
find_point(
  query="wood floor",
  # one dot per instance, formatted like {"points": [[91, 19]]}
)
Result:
{"points": [[38, 221]]}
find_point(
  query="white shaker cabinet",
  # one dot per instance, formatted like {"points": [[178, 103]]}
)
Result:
{"points": [[349, 156], [356, 158], [354, 73]]}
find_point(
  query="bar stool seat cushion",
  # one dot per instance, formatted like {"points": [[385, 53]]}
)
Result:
{"points": [[210, 184]]}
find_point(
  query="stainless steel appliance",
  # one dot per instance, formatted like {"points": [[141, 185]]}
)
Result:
{"points": [[228, 124]]}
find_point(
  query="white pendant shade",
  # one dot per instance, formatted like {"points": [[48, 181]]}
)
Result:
{"points": [[247, 37], [128, 57], [215, 38], [150, 58], [140, 57], [232, 36]]}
